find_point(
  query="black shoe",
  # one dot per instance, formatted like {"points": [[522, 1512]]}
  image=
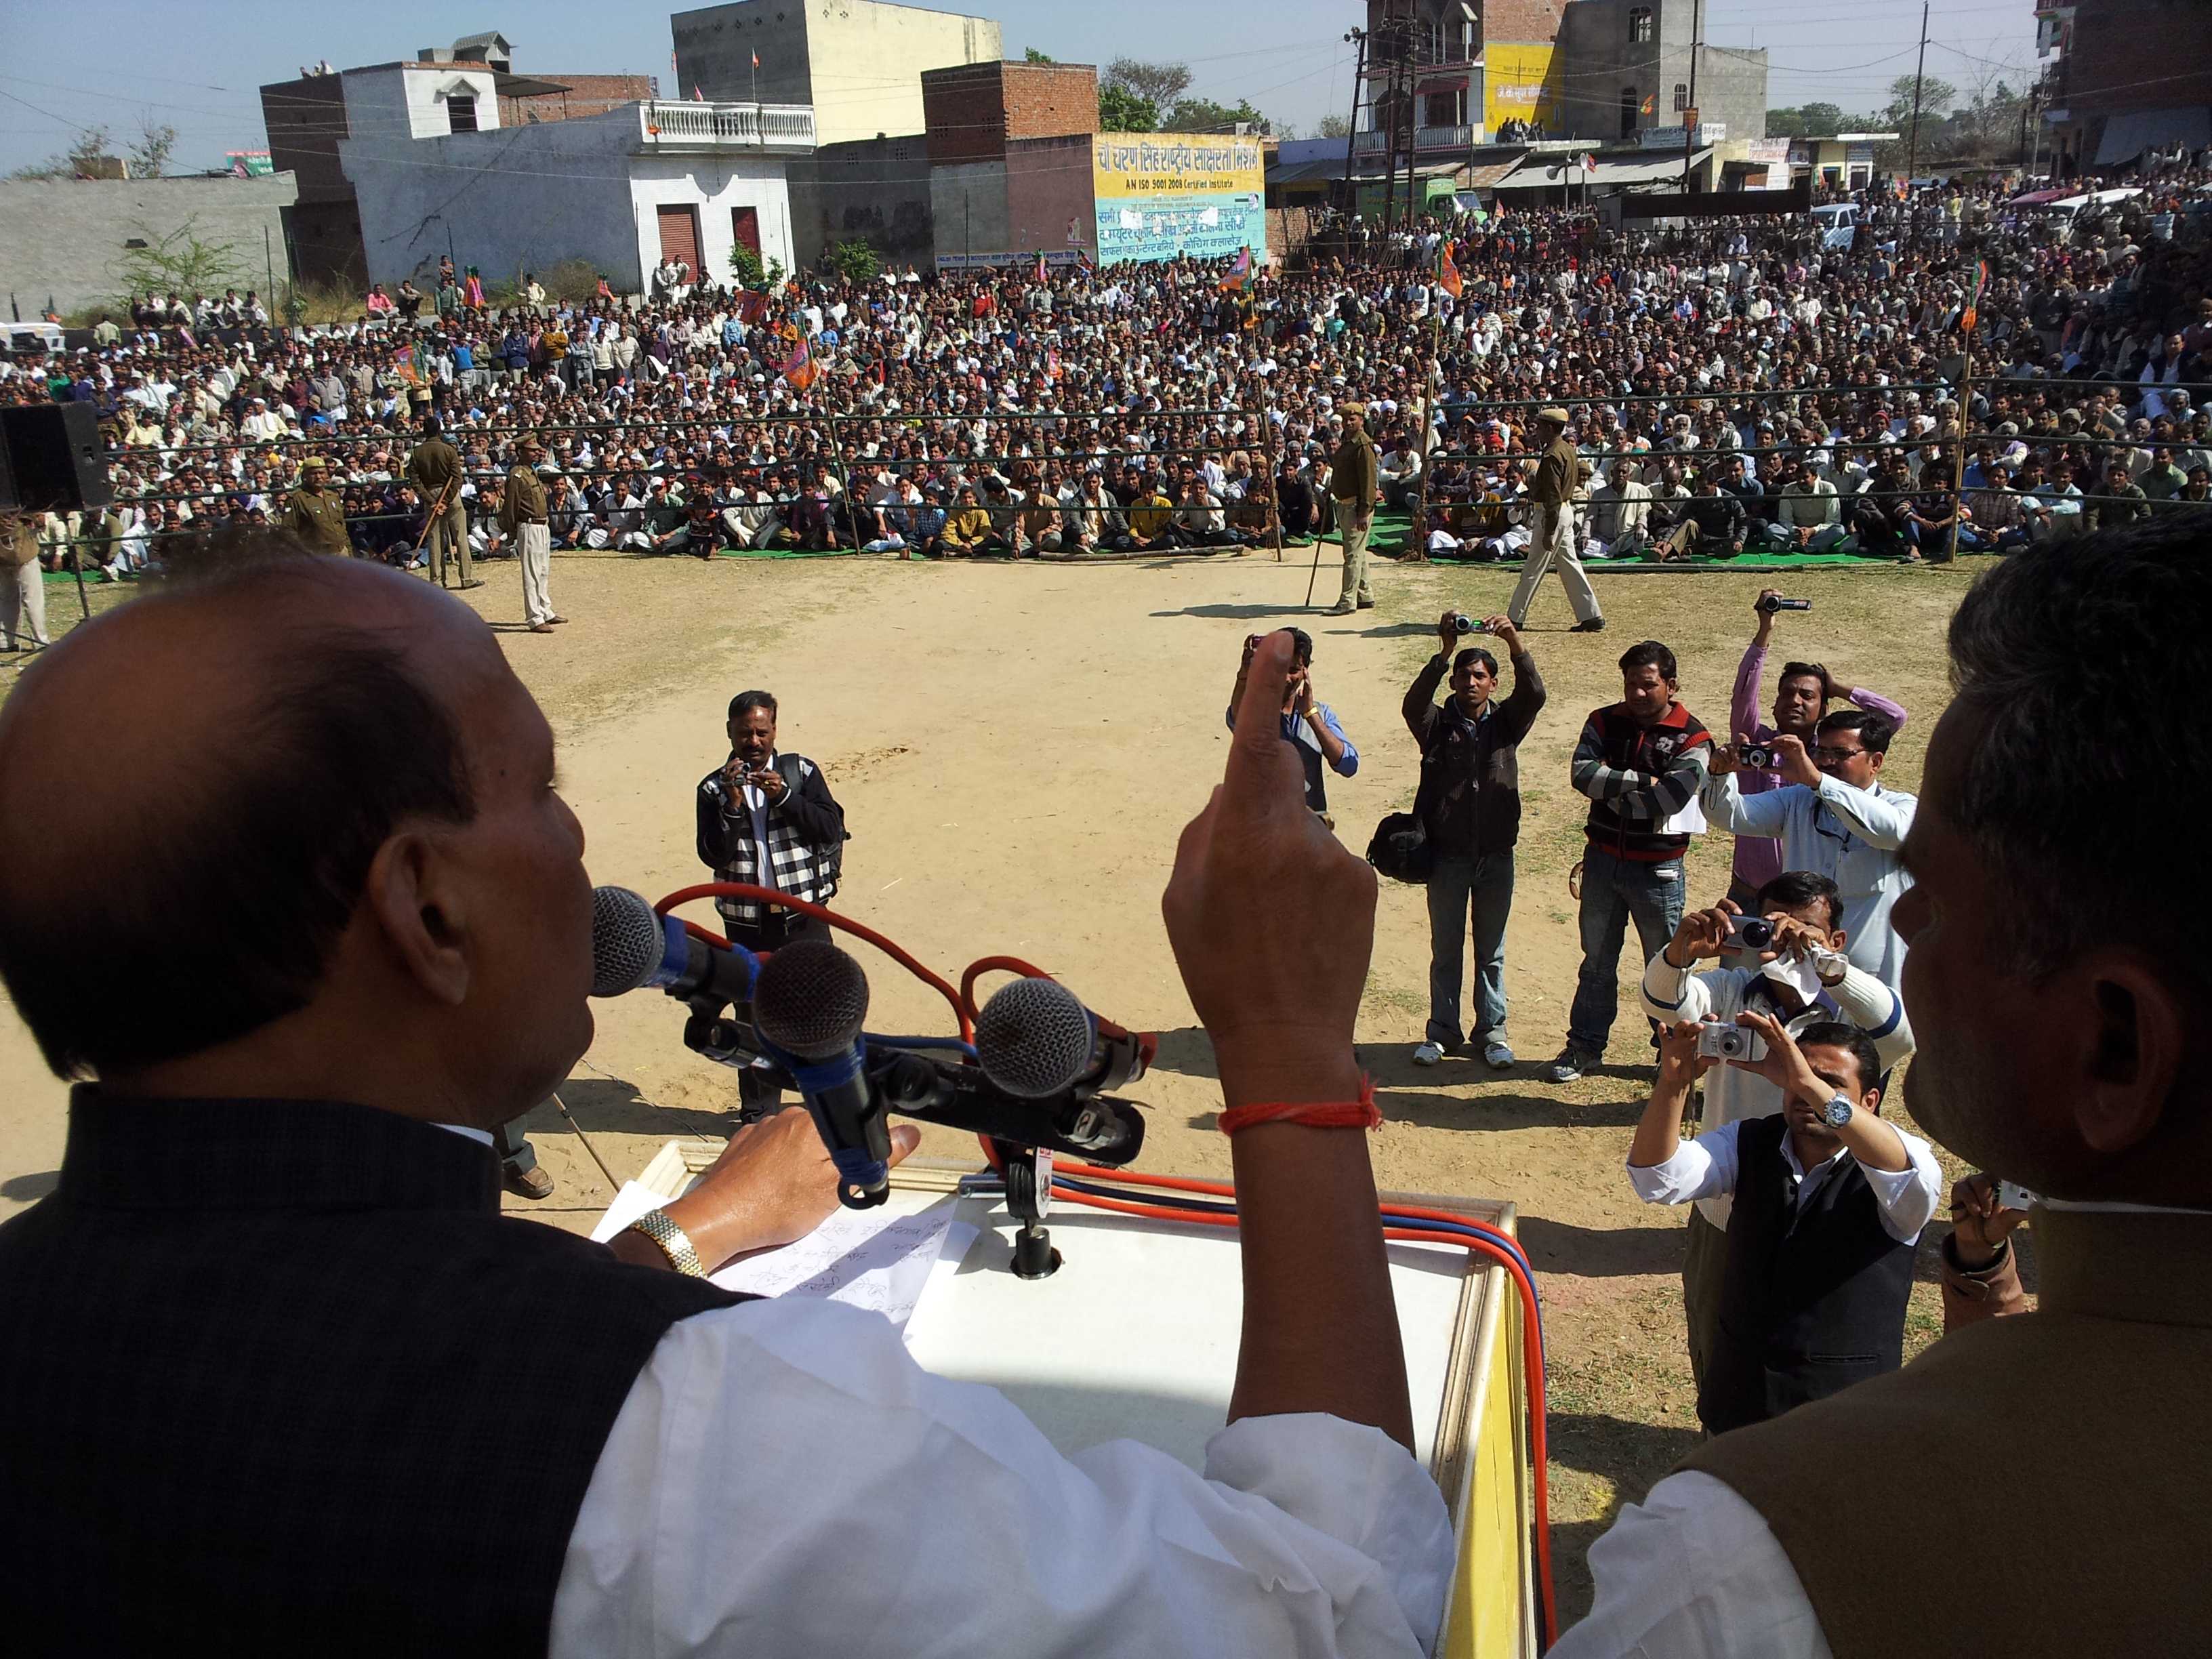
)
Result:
{"points": [[1595, 625]]}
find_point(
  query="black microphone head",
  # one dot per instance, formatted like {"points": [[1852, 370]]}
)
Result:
{"points": [[811, 999], [1033, 1038], [626, 940]]}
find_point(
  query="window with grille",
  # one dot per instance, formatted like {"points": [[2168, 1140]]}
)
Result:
{"points": [[461, 112], [1639, 23], [1682, 97]]}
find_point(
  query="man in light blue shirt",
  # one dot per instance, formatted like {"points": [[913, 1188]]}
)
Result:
{"points": [[1309, 726], [1834, 819]]}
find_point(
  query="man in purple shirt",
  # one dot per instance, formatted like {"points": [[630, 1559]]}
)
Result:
{"points": [[1801, 697]]}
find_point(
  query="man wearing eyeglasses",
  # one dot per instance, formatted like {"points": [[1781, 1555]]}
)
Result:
{"points": [[1835, 818]]}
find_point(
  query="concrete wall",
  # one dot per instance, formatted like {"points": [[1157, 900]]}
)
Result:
{"points": [[969, 203], [393, 100], [528, 198], [1048, 186], [1601, 60], [65, 237], [876, 188], [860, 69]]}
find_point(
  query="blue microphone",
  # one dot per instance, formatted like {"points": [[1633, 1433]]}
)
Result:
{"points": [[633, 949], [809, 1005]]}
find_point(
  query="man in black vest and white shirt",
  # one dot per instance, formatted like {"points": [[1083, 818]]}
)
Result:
{"points": [[278, 1376], [1802, 977], [1829, 1202], [768, 819]]}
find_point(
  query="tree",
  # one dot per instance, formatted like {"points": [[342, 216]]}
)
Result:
{"points": [[149, 156], [747, 267], [1033, 56], [1204, 115], [1805, 121], [1936, 96], [856, 262], [1334, 126], [89, 144], [1121, 110], [181, 261], [1160, 85]]}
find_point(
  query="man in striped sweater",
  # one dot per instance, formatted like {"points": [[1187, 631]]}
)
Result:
{"points": [[1642, 762]]}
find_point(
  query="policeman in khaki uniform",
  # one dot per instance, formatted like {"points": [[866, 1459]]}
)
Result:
{"points": [[22, 583], [435, 469], [1353, 483], [1553, 529], [315, 515], [522, 515]]}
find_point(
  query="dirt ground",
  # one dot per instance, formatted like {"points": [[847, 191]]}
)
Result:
{"points": [[1017, 749]]}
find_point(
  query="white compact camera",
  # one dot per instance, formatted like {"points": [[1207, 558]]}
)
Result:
{"points": [[1718, 1041]]}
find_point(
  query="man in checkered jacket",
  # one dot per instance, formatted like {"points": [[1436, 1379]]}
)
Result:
{"points": [[767, 820]]}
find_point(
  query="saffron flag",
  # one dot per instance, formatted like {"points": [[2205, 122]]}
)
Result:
{"points": [[1971, 315], [800, 371], [1040, 276], [752, 308], [404, 360], [1448, 277], [1239, 273], [1651, 105], [756, 60], [1589, 162]]}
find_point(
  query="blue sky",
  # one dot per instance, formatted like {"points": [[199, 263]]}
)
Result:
{"points": [[197, 67]]}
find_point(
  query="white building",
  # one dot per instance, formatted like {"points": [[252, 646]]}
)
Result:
{"points": [[435, 173]]}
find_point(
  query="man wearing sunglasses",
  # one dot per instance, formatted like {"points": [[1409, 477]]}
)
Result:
{"points": [[1834, 817]]}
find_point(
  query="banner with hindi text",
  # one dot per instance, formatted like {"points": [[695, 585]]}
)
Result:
{"points": [[1159, 194]]}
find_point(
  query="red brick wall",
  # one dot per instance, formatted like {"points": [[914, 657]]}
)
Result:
{"points": [[963, 111], [587, 94], [2139, 54], [1051, 101], [1524, 22]]}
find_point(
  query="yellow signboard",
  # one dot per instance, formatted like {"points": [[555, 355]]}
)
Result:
{"points": [[1158, 194], [1523, 83]]}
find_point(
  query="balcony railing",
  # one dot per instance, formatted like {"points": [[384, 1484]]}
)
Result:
{"points": [[1424, 139], [664, 126]]}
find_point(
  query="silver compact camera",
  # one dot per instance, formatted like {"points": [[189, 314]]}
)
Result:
{"points": [[1720, 1040]]}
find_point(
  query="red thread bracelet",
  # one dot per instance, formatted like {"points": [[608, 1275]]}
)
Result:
{"points": [[1360, 1114]]}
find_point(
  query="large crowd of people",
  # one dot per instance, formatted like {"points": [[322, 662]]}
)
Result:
{"points": [[1766, 391]]}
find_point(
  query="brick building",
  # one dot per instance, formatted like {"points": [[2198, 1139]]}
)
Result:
{"points": [[2123, 76], [1444, 76], [1010, 159]]}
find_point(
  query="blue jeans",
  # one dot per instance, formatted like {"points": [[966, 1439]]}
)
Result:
{"points": [[1453, 882], [1615, 889]]}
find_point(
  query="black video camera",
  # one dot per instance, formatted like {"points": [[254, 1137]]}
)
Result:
{"points": [[1776, 602]]}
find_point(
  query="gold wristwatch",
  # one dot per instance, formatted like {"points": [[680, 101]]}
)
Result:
{"points": [[672, 1241]]}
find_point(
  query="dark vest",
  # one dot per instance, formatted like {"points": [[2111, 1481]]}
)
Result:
{"points": [[1815, 1293], [1631, 747], [2076, 1434], [278, 1378]]}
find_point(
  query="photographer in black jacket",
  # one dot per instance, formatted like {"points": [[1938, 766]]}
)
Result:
{"points": [[767, 820], [1470, 803]]}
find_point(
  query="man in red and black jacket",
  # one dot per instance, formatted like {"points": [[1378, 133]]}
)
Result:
{"points": [[1641, 762]]}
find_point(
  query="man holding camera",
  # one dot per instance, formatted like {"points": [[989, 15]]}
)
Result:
{"points": [[1780, 956], [1801, 697], [1309, 726], [768, 819], [1829, 1201], [1832, 816], [1469, 801]]}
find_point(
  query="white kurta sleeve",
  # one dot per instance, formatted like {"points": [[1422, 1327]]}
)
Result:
{"points": [[1692, 1572], [784, 1479]]}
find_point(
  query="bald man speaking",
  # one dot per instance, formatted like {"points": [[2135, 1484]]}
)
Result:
{"points": [[277, 1377]]}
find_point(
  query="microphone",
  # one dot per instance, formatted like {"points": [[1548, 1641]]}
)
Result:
{"points": [[810, 1000], [1035, 1041], [632, 948]]}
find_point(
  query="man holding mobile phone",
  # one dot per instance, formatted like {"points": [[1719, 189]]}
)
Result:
{"points": [[1829, 1203], [1798, 977], [767, 819]]}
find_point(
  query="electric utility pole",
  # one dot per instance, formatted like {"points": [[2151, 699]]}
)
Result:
{"points": [[1913, 141], [1690, 122]]}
